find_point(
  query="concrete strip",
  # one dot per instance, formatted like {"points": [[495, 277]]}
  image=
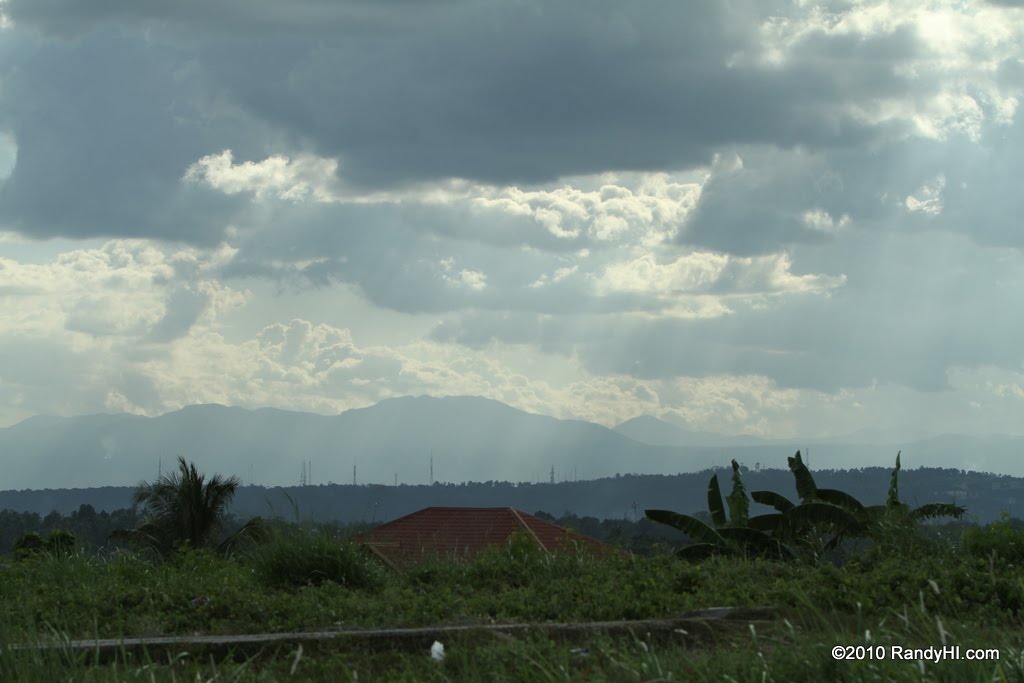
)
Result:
{"points": [[696, 626]]}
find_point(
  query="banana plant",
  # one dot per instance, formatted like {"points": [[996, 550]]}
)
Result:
{"points": [[821, 519], [725, 535], [894, 507], [819, 522], [836, 513]]}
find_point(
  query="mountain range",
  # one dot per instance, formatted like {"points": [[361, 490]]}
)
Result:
{"points": [[458, 438]]}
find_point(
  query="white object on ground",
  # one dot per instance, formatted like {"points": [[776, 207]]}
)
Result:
{"points": [[437, 651]]}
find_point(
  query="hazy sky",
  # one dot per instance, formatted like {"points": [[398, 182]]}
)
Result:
{"points": [[746, 216]]}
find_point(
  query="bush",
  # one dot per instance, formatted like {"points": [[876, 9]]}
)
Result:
{"points": [[294, 559], [28, 544], [60, 541], [1001, 538]]}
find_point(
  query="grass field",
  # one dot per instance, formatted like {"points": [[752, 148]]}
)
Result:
{"points": [[910, 591]]}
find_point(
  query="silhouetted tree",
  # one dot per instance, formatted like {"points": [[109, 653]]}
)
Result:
{"points": [[185, 508]]}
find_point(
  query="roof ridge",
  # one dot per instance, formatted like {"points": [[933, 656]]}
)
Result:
{"points": [[522, 522]]}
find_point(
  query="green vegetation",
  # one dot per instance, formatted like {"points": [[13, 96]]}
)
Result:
{"points": [[57, 541], [294, 558], [811, 528], [972, 591], [903, 584], [186, 509]]}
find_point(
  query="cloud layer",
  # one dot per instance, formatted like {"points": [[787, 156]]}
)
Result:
{"points": [[756, 216]]}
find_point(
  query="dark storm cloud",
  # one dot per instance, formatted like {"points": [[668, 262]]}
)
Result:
{"points": [[108, 116], [104, 130], [70, 19], [758, 199], [498, 92], [524, 93]]}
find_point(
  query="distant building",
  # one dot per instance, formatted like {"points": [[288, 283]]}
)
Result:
{"points": [[462, 533]]}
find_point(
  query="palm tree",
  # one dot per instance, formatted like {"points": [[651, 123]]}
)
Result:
{"points": [[185, 508]]}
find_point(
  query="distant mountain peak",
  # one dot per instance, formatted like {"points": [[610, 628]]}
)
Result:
{"points": [[657, 432], [644, 420]]}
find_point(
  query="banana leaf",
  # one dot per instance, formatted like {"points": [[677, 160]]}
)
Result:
{"points": [[715, 505], [934, 510], [806, 489], [776, 500], [754, 542], [816, 513], [700, 551], [766, 523], [739, 505], [697, 530], [894, 485], [842, 499]]}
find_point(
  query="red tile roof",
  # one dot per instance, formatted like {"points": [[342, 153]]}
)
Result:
{"points": [[462, 533]]}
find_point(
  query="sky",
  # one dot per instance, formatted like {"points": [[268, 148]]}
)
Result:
{"points": [[750, 216]]}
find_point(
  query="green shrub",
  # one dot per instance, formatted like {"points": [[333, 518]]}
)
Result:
{"points": [[28, 544], [295, 559], [60, 541], [1000, 538]]}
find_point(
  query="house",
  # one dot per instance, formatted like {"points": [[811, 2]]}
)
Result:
{"points": [[461, 533]]}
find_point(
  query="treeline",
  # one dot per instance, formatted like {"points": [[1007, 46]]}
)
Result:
{"points": [[642, 537], [90, 528], [984, 495]]}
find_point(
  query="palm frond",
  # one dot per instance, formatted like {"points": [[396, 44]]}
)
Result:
{"points": [[256, 530], [183, 506]]}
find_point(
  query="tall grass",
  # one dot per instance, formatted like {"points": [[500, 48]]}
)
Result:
{"points": [[292, 559], [900, 592]]}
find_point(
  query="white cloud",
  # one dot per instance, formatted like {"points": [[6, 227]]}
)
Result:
{"points": [[647, 207], [470, 279], [949, 54], [555, 277], [708, 272], [819, 220], [123, 289], [306, 177], [928, 199]]}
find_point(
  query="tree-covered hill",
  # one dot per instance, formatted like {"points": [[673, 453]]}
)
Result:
{"points": [[625, 496]]}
